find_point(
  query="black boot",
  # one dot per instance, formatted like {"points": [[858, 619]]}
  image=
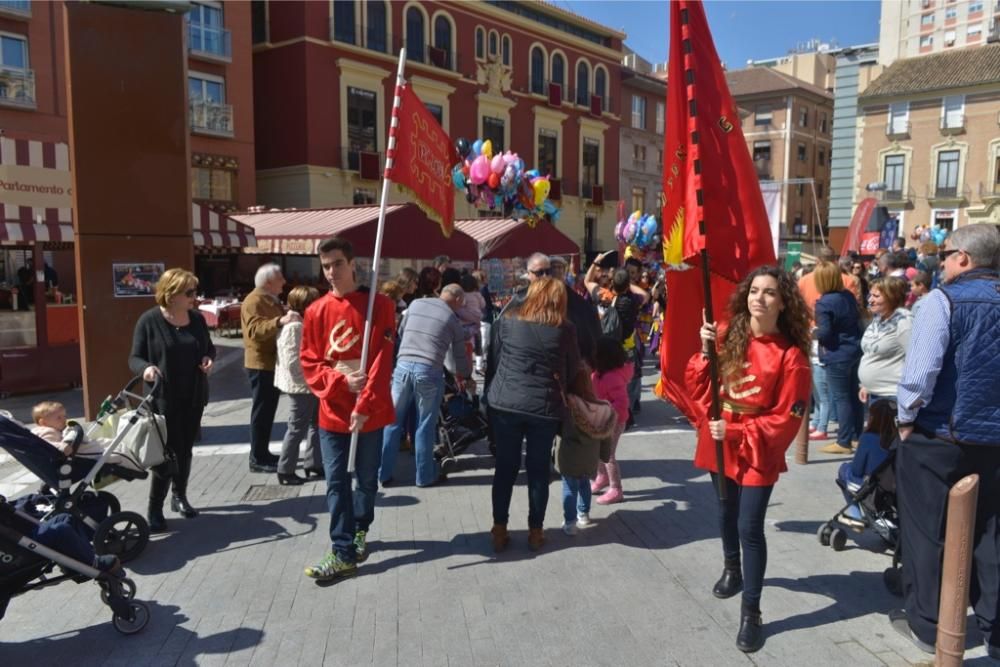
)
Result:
{"points": [[750, 638], [158, 486], [731, 581], [179, 502]]}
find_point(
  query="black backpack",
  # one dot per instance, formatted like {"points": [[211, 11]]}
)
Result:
{"points": [[611, 323]]}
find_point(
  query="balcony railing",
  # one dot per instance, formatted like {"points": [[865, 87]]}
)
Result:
{"points": [[210, 42], [953, 124], [639, 165], [17, 88], [948, 192], [16, 8], [898, 129], [212, 118], [989, 191], [891, 196]]}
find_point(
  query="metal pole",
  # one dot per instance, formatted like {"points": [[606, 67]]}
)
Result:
{"points": [[955, 572], [373, 283], [715, 410], [816, 222]]}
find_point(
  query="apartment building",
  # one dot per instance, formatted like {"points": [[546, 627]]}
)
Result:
{"points": [[531, 77], [930, 138], [644, 99], [911, 28], [787, 123]]}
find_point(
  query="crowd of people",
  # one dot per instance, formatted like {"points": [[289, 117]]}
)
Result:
{"points": [[910, 336]]}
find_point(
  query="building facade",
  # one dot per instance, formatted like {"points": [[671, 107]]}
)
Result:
{"points": [[930, 139], [787, 123], [911, 28], [531, 77], [642, 129]]}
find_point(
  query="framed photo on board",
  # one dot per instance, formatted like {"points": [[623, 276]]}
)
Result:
{"points": [[135, 278]]}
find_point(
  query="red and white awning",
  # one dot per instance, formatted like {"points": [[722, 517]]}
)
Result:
{"points": [[34, 171], [217, 232]]}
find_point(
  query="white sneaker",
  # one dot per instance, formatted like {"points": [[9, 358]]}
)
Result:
{"points": [[583, 520], [570, 529]]}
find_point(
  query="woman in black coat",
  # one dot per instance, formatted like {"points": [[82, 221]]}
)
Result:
{"points": [[171, 341], [533, 357]]}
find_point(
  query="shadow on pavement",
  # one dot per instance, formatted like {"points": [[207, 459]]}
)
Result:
{"points": [[163, 638], [224, 528]]}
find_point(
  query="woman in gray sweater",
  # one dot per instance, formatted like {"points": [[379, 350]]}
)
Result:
{"points": [[883, 346]]}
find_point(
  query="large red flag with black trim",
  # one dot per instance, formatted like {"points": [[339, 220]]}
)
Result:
{"points": [[422, 159], [711, 195]]}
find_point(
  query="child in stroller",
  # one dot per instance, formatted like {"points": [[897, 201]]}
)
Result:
{"points": [[50, 425], [868, 483], [460, 423]]}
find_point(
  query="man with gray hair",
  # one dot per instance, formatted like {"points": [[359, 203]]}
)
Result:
{"points": [[430, 329], [261, 318], [949, 427]]}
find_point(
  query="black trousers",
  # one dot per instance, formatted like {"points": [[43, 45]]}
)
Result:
{"points": [[926, 469], [265, 404], [182, 427], [741, 522]]}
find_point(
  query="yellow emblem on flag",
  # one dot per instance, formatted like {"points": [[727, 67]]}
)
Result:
{"points": [[673, 240]]}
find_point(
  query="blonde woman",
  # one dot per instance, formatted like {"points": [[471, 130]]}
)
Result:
{"points": [[171, 342]]}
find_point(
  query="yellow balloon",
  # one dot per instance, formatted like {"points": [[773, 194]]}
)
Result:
{"points": [[541, 188], [488, 149]]}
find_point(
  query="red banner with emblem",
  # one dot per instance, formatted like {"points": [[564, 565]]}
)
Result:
{"points": [[422, 159]]}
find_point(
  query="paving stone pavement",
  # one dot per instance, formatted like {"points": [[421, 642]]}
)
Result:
{"points": [[635, 589]]}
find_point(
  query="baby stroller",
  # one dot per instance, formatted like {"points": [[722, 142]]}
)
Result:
{"points": [[123, 534], [460, 423], [26, 565]]}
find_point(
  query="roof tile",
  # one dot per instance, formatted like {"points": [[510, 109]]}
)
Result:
{"points": [[939, 71]]}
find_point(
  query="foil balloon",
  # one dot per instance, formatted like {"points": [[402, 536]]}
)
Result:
{"points": [[487, 149], [457, 177], [480, 170], [541, 188], [497, 164]]}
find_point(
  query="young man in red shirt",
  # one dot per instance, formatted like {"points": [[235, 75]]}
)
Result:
{"points": [[351, 399]]}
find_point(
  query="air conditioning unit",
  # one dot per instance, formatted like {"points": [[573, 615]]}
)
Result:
{"points": [[368, 166], [555, 189], [555, 94], [596, 105], [597, 194]]}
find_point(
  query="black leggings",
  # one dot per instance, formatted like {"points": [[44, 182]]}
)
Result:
{"points": [[741, 521]]}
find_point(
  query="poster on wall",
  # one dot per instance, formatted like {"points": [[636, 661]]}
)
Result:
{"points": [[135, 278]]}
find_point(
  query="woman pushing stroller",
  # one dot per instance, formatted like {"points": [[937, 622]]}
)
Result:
{"points": [[765, 378]]}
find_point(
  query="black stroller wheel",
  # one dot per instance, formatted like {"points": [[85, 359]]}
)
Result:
{"points": [[823, 534], [838, 539], [135, 622], [112, 501], [124, 534], [128, 591]]}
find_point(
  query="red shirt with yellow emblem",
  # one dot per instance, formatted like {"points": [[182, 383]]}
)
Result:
{"points": [[331, 347], [763, 408]]}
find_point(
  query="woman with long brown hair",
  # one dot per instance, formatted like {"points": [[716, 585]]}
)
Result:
{"points": [[765, 379], [533, 358]]}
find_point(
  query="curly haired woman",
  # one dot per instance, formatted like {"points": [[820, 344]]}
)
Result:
{"points": [[765, 379]]}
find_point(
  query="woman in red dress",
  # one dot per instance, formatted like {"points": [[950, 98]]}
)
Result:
{"points": [[766, 381]]}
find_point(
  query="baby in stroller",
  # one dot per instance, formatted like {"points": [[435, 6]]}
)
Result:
{"points": [[460, 423], [50, 425]]}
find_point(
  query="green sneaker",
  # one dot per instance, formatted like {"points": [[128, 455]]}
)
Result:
{"points": [[332, 568], [361, 546]]}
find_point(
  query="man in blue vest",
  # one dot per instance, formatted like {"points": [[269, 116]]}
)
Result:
{"points": [[949, 427]]}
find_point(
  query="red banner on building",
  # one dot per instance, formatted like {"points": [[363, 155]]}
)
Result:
{"points": [[712, 198], [422, 159]]}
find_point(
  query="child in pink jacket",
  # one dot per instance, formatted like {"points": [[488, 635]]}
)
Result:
{"points": [[610, 382]]}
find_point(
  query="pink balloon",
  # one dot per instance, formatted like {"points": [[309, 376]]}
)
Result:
{"points": [[497, 166], [480, 170]]}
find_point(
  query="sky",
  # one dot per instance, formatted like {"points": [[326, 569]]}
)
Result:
{"points": [[742, 29]]}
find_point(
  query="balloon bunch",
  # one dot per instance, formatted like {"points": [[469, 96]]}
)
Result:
{"points": [[929, 233], [499, 179], [638, 231]]}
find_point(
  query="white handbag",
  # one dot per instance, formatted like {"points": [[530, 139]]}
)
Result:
{"points": [[144, 441]]}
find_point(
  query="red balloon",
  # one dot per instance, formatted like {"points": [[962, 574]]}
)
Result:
{"points": [[493, 181]]}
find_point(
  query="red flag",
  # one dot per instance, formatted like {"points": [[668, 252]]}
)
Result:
{"points": [[422, 158], [711, 195]]}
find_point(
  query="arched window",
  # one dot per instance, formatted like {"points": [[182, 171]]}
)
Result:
{"points": [[601, 86], [414, 35], [493, 42], [537, 71], [582, 84], [559, 70], [480, 43], [378, 27], [505, 50], [344, 22], [442, 39]]}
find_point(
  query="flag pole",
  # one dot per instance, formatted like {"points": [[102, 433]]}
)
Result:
{"points": [[715, 411], [373, 282]]}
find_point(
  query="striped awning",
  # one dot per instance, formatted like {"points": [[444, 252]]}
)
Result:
{"points": [[34, 191], [214, 232], [15, 231], [299, 232]]}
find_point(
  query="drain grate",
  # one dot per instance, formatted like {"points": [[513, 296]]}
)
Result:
{"points": [[270, 492]]}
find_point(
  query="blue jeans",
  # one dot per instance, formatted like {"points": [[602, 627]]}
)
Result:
{"points": [[510, 429], [825, 409], [351, 509], [576, 497], [422, 384], [741, 520], [843, 379]]}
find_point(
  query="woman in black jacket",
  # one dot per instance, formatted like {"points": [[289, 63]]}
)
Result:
{"points": [[533, 357], [171, 340]]}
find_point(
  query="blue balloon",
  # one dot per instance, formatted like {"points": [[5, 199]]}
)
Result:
{"points": [[457, 177], [477, 147]]}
